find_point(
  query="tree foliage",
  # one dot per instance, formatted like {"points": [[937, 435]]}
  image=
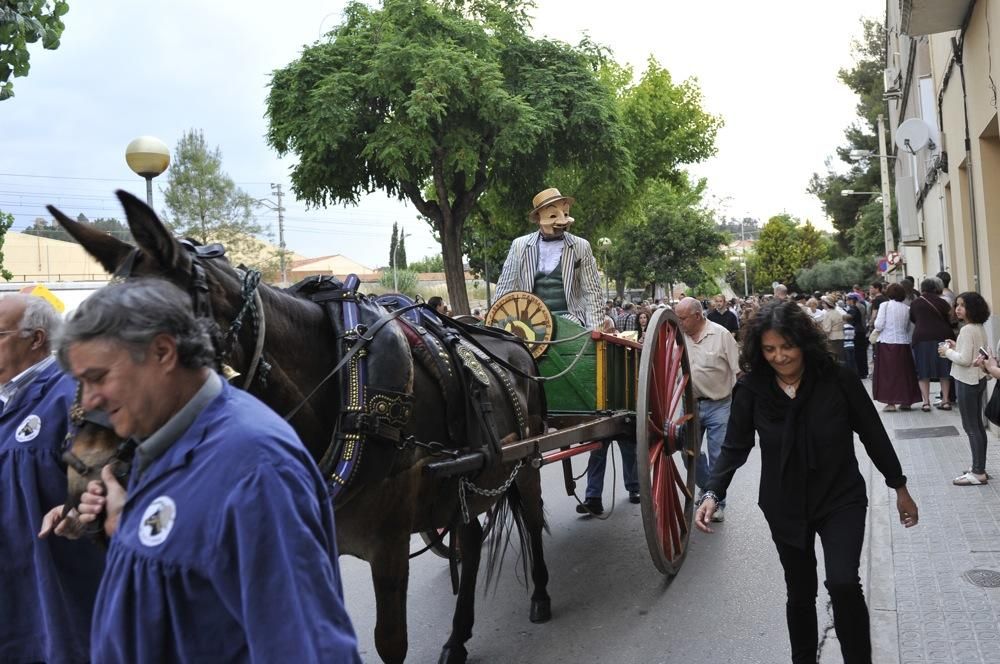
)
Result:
{"points": [[24, 22], [203, 202], [783, 249], [440, 101], [865, 79], [429, 264], [841, 273], [6, 221], [676, 242]]}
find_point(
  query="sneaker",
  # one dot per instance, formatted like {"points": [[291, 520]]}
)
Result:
{"points": [[720, 514], [590, 506], [633, 497]]}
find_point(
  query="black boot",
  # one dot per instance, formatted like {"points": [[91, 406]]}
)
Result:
{"points": [[590, 506], [803, 632], [850, 619]]}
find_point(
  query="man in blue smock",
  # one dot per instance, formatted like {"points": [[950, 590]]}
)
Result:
{"points": [[223, 547], [47, 588]]}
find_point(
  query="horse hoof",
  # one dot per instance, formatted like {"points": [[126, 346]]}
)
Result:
{"points": [[541, 610], [453, 655]]}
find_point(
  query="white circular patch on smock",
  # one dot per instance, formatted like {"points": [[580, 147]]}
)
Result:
{"points": [[157, 521], [28, 429]]}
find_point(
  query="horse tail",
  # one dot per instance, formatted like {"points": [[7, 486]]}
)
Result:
{"points": [[506, 516]]}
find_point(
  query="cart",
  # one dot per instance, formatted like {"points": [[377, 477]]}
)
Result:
{"points": [[600, 388]]}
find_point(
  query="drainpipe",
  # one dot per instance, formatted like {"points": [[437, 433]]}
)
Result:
{"points": [[968, 167]]}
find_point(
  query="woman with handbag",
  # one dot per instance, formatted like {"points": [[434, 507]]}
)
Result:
{"points": [[931, 317], [970, 383]]}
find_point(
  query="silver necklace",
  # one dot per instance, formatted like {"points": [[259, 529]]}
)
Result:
{"points": [[789, 388]]}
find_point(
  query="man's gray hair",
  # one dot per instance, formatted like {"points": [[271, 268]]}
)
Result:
{"points": [[133, 313], [38, 315]]}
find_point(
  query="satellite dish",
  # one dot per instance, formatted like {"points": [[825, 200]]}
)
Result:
{"points": [[913, 135]]}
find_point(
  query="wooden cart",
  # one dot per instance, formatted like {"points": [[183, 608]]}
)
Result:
{"points": [[603, 387]]}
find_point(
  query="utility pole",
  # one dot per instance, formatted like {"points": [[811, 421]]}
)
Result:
{"points": [[883, 160], [743, 259], [276, 190]]}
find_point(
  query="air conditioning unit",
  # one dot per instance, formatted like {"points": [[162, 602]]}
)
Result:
{"points": [[891, 80]]}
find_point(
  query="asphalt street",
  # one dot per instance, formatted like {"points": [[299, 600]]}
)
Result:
{"points": [[609, 603]]}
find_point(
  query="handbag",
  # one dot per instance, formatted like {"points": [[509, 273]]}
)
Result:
{"points": [[873, 337], [993, 405]]}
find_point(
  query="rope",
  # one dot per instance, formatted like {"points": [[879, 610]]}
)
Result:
{"points": [[614, 485], [579, 354]]}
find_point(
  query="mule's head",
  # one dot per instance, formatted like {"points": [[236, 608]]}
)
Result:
{"points": [[91, 447]]}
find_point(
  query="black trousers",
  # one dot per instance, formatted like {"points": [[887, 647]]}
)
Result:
{"points": [[842, 534]]}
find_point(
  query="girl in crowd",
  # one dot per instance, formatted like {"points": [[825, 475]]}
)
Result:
{"points": [[970, 383], [805, 408]]}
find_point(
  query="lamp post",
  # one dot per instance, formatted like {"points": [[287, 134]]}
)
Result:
{"points": [[605, 244], [147, 156], [860, 155]]}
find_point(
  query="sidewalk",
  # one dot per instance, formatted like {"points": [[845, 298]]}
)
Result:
{"points": [[925, 603]]}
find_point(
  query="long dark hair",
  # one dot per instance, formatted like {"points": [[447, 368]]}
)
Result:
{"points": [[790, 321]]}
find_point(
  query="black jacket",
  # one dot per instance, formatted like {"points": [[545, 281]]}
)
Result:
{"points": [[808, 466]]}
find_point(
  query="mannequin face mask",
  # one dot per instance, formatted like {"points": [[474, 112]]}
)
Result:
{"points": [[553, 220]]}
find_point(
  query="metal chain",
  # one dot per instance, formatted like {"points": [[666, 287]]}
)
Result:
{"points": [[464, 484]]}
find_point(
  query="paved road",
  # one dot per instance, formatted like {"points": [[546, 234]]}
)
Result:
{"points": [[609, 602]]}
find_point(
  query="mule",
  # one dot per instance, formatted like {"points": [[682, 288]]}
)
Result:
{"points": [[392, 495]]}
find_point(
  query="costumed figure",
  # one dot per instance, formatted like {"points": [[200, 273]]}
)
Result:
{"points": [[555, 265]]}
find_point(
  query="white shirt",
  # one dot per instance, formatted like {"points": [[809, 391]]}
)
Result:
{"points": [[893, 323], [970, 338], [10, 389], [715, 362], [549, 254]]}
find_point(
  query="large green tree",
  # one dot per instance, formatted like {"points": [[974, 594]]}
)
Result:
{"points": [[24, 22], [203, 202], [677, 242], [784, 248], [865, 79], [436, 101]]}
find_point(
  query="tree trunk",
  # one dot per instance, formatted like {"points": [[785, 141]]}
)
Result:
{"points": [[451, 250]]}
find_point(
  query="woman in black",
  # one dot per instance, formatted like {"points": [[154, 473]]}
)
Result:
{"points": [[806, 408]]}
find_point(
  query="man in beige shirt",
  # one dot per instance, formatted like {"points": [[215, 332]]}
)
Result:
{"points": [[715, 366]]}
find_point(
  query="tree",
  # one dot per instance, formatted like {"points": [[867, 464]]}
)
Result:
{"points": [[428, 264], [841, 273], [677, 241], [203, 202], [783, 249], [866, 80], [442, 96], [401, 258], [24, 22], [6, 221], [393, 245]]}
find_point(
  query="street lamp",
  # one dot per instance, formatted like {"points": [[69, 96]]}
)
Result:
{"points": [[851, 192], [147, 156], [883, 161], [605, 244], [746, 281]]}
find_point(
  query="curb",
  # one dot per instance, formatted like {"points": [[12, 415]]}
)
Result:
{"points": [[881, 582]]}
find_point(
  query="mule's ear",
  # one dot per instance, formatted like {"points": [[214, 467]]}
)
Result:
{"points": [[110, 252], [150, 233]]}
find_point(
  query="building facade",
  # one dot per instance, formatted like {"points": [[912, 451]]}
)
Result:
{"points": [[939, 82]]}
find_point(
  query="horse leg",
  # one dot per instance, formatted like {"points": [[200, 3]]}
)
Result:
{"points": [[471, 540], [530, 486], [390, 575]]}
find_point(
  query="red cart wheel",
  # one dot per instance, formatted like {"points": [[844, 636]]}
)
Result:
{"points": [[667, 441]]}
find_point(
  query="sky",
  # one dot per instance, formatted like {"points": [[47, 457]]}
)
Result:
{"points": [[128, 68]]}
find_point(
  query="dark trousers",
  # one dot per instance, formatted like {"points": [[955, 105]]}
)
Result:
{"points": [[971, 402], [861, 354], [842, 534]]}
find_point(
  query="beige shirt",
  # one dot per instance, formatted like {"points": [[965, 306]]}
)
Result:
{"points": [[715, 362]]}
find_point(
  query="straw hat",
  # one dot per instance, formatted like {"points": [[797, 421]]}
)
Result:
{"points": [[548, 197]]}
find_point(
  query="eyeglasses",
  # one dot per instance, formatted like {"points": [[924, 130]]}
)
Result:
{"points": [[4, 333]]}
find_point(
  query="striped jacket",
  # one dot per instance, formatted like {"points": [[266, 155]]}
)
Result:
{"points": [[579, 271]]}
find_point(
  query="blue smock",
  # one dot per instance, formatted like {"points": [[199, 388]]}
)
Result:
{"points": [[225, 551], [47, 587]]}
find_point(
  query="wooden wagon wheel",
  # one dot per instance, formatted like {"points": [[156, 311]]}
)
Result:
{"points": [[667, 441]]}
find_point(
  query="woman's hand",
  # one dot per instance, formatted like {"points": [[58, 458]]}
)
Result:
{"points": [[908, 514], [703, 517], [991, 367], [945, 346]]}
